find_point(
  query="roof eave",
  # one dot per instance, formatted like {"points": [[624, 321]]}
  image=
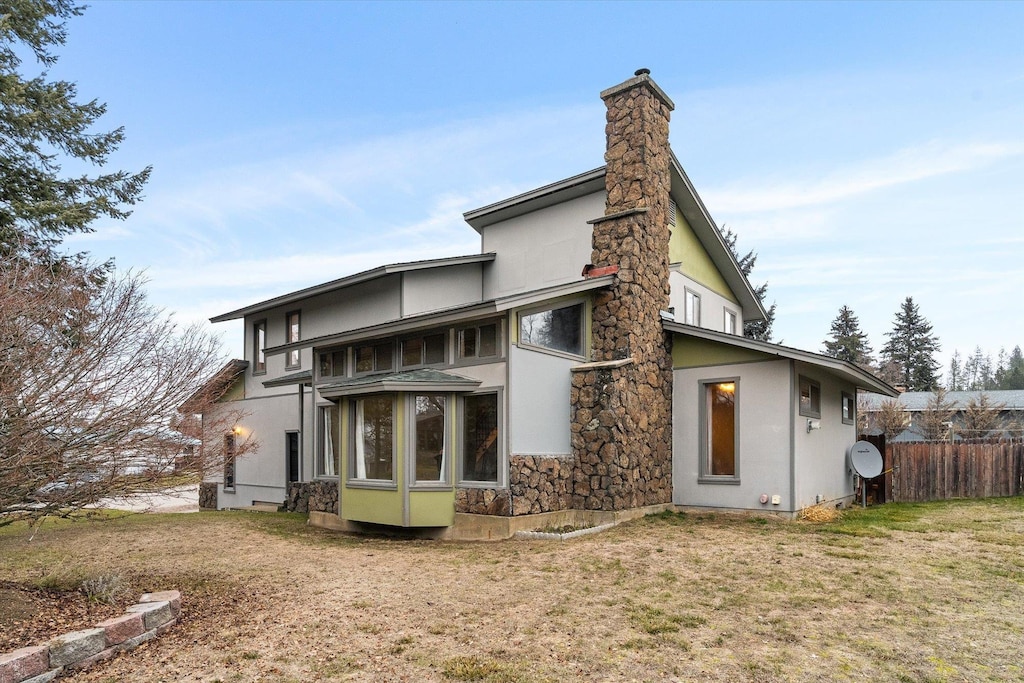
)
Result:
{"points": [[548, 195]]}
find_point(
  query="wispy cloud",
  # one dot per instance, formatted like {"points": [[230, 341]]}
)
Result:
{"points": [[905, 166]]}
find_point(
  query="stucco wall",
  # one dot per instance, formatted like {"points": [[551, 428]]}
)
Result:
{"points": [[545, 247], [539, 402], [435, 288], [712, 304], [821, 467], [764, 437]]}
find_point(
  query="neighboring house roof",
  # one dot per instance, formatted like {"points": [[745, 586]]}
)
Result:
{"points": [[350, 280], [915, 401], [688, 201], [214, 388], [424, 379], [841, 368], [450, 315], [303, 377]]}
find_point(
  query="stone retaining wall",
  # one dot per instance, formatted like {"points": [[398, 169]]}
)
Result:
{"points": [[312, 496], [483, 502], [208, 495], [154, 614]]}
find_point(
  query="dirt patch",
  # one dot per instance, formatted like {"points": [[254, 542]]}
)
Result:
{"points": [[32, 616], [931, 592]]}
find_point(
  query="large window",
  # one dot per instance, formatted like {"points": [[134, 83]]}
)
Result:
{"points": [[429, 436], [480, 341], [425, 350], [480, 438], [259, 347], [810, 398], [374, 451], [375, 357], [720, 423], [327, 456], [229, 462], [559, 329], [292, 335], [692, 312]]}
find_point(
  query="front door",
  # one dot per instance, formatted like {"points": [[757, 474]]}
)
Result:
{"points": [[292, 456]]}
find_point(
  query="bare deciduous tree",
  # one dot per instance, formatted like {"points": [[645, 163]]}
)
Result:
{"points": [[91, 380], [891, 418], [935, 420], [981, 416]]}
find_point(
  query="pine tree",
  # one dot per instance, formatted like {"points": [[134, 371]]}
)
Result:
{"points": [[847, 341], [41, 127], [911, 348], [752, 329], [1013, 378], [956, 373]]}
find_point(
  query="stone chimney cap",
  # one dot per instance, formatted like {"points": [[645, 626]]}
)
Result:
{"points": [[642, 77]]}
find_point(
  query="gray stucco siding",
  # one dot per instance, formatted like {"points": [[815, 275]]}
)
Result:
{"points": [[713, 304], [821, 467], [542, 248], [539, 385], [436, 288], [764, 424]]}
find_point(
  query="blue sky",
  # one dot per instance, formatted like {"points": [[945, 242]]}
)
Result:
{"points": [[866, 151]]}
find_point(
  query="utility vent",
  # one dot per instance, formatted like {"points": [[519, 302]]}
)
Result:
{"points": [[671, 212]]}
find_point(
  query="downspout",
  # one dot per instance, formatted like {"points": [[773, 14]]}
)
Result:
{"points": [[302, 422]]}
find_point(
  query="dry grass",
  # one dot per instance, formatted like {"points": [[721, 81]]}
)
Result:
{"points": [[912, 593], [820, 513]]}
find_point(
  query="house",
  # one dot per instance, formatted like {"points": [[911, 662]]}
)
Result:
{"points": [[586, 365], [1009, 422]]}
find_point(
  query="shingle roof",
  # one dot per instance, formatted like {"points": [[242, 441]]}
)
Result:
{"points": [[918, 400], [423, 379]]}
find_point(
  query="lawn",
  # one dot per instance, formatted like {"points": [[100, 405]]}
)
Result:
{"points": [[928, 592]]}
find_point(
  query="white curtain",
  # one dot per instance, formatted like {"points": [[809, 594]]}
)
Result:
{"points": [[330, 468], [360, 442]]}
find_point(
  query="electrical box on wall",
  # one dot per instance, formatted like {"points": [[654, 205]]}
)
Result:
{"points": [[776, 499]]}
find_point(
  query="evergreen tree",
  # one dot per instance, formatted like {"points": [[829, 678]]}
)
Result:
{"points": [[41, 127], [1013, 377], [912, 347], [956, 373], [847, 341], [753, 329]]}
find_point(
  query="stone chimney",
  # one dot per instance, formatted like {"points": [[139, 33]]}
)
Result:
{"points": [[622, 402]]}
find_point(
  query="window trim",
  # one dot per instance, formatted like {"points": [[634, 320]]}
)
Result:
{"points": [[812, 386], [351, 480], [445, 482], [400, 348], [230, 462], [257, 327], [687, 293], [499, 350], [502, 476], [332, 352], [569, 303], [844, 397], [373, 344], [730, 315], [704, 475], [293, 358]]}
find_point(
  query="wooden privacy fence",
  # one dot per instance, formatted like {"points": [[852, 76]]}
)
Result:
{"points": [[931, 470]]}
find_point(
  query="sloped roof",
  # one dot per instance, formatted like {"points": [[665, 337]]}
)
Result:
{"points": [[303, 377], [350, 280], [916, 401], [423, 379], [841, 368], [214, 388]]}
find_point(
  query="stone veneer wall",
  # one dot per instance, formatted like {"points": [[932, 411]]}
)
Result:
{"points": [[208, 495], [540, 483], [312, 496], [483, 501], [621, 413]]}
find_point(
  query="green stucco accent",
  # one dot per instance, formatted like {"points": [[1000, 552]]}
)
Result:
{"points": [[432, 508], [688, 352], [694, 262], [235, 392]]}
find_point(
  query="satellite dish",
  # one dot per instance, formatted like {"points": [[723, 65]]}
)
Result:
{"points": [[865, 459]]}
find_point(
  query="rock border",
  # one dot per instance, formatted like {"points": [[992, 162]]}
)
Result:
{"points": [[551, 536], [150, 618]]}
